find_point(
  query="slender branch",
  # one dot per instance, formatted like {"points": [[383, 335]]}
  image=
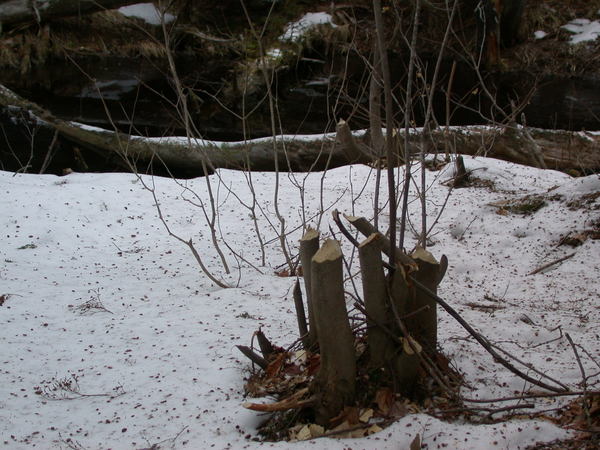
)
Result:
{"points": [[407, 119], [483, 341], [529, 366], [528, 396], [252, 356], [586, 404], [389, 124], [550, 264]]}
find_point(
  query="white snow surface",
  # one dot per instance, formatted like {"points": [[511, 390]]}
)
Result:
{"points": [[167, 341], [295, 30], [147, 12], [583, 30], [540, 34]]}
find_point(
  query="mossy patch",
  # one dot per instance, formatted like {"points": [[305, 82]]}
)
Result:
{"points": [[524, 206]]}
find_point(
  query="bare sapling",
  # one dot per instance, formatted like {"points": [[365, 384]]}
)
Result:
{"points": [[192, 133], [268, 78]]}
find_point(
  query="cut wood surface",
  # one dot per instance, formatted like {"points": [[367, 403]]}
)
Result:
{"points": [[367, 229], [376, 300], [558, 149], [309, 245], [423, 322], [335, 383]]}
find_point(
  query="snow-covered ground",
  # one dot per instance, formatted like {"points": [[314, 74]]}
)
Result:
{"points": [[158, 366]]}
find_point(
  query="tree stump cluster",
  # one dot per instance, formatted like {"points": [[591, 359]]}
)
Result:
{"points": [[401, 323]]}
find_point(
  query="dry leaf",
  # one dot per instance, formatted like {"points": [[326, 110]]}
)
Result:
{"points": [[275, 366], [316, 430], [398, 410], [373, 429], [384, 398], [304, 433], [349, 414]]}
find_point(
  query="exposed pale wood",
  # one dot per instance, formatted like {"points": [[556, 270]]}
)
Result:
{"points": [[423, 324], [367, 229], [292, 402], [335, 383], [376, 300], [309, 245], [13, 12]]}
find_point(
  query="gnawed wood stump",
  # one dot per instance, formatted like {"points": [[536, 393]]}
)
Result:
{"points": [[335, 383]]}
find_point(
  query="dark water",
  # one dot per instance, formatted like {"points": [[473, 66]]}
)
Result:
{"points": [[137, 97]]}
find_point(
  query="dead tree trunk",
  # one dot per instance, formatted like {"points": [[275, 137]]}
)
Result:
{"points": [[16, 12], [561, 150], [336, 381]]}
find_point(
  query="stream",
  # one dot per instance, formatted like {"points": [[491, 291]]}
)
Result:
{"points": [[136, 96]]}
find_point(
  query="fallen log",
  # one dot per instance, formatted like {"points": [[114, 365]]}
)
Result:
{"points": [[557, 149], [16, 12]]}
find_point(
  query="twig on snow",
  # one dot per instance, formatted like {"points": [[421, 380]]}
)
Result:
{"points": [[550, 264], [586, 409]]}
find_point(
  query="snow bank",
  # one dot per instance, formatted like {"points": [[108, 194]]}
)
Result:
{"points": [[295, 30], [147, 12], [583, 30]]}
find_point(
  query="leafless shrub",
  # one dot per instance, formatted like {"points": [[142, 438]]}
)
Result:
{"points": [[67, 388], [92, 306]]}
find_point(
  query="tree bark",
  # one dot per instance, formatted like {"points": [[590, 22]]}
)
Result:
{"points": [[301, 316], [375, 295], [406, 361], [558, 149], [16, 12], [309, 245], [335, 383], [423, 309], [365, 227]]}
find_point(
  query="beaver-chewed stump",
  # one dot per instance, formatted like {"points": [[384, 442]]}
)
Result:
{"points": [[387, 347]]}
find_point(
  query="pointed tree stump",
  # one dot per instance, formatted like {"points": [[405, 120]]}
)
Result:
{"points": [[461, 177], [366, 229], [381, 346], [335, 383], [309, 245], [301, 315], [421, 308]]}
